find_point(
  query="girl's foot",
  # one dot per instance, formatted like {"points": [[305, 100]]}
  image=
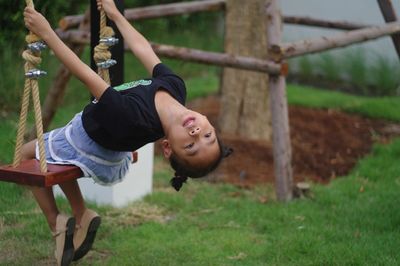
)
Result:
{"points": [[64, 239], [85, 233]]}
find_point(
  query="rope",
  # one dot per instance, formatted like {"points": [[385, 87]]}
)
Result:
{"points": [[32, 59], [101, 51]]}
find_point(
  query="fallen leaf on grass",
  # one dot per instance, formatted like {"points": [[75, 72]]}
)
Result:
{"points": [[299, 217], [232, 224], [239, 256], [262, 199], [235, 194], [137, 214]]}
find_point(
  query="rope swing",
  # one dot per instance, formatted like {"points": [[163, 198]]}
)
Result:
{"points": [[31, 55], [32, 59], [102, 55], [27, 172]]}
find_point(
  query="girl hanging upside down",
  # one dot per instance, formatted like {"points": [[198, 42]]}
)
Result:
{"points": [[121, 119]]}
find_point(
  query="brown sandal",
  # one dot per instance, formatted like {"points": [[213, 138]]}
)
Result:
{"points": [[64, 233], [85, 233]]}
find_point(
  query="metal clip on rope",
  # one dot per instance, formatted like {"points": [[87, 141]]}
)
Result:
{"points": [[107, 64], [109, 41], [37, 46], [35, 73]]}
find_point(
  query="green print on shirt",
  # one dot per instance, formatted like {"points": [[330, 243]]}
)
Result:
{"points": [[132, 84]]}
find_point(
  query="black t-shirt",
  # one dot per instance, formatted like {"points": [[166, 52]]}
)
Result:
{"points": [[125, 116]]}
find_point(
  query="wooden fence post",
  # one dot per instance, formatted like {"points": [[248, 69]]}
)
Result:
{"points": [[390, 15], [279, 109]]}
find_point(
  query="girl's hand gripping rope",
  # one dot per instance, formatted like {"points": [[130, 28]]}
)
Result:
{"points": [[109, 7], [36, 23]]}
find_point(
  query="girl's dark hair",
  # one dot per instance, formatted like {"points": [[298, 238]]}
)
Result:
{"points": [[184, 171]]}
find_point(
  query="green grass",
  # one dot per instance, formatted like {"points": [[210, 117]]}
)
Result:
{"points": [[357, 70], [329, 67], [384, 75], [352, 221], [354, 69], [383, 107]]}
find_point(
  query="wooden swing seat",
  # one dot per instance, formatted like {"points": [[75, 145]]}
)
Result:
{"points": [[28, 173]]}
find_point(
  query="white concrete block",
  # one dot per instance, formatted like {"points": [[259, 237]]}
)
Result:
{"points": [[137, 184]]}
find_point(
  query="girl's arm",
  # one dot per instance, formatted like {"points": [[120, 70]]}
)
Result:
{"points": [[136, 42], [36, 23]]}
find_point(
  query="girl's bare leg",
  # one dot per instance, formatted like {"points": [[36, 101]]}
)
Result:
{"points": [[43, 196], [73, 193], [64, 231]]}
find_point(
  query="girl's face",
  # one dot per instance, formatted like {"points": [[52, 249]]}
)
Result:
{"points": [[192, 138]]}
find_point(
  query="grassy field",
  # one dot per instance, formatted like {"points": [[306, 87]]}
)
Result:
{"points": [[352, 221]]}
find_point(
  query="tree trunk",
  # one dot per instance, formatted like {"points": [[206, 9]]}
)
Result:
{"points": [[245, 107]]}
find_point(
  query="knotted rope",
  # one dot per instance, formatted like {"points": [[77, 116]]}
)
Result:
{"points": [[32, 59], [101, 51]]}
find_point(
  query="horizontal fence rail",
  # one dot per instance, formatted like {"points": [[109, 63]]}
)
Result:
{"points": [[320, 44], [313, 22], [193, 55], [156, 11]]}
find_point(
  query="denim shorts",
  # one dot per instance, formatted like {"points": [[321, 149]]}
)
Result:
{"points": [[71, 145]]}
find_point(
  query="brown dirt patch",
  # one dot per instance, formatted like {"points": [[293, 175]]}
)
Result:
{"points": [[325, 144]]}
